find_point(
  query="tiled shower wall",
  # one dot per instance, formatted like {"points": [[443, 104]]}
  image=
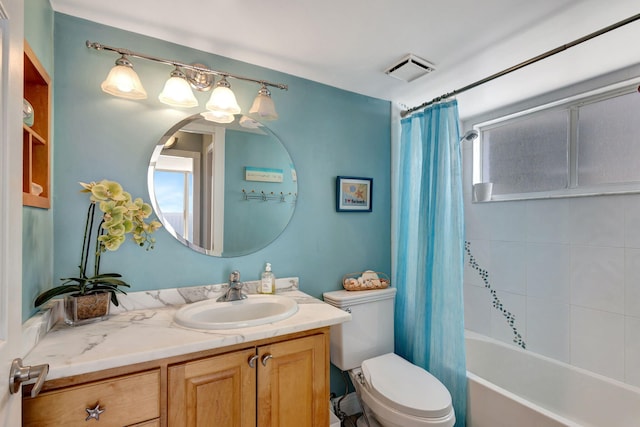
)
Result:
{"points": [[568, 269]]}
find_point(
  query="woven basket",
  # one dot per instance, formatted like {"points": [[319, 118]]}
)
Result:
{"points": [[365, 281]]}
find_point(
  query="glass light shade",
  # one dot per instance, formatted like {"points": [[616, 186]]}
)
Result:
{"points": [[249, 123], [223, 100], [177, 92], [263, 107], [123, 81], [215, 116]]}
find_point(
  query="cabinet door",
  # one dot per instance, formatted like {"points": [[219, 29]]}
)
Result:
{"points": [[293, 385], [217, 391]]}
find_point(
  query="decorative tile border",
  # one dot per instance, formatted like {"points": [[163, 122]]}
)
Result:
{"points": [[497, 304]]}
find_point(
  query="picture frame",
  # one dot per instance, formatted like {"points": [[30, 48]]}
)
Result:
{"points": [[354, 194]]}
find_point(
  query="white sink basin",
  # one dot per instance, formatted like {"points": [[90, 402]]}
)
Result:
{"points": [[253, 311]]}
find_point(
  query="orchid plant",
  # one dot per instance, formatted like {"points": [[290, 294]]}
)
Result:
{"points": [[121, 215]]}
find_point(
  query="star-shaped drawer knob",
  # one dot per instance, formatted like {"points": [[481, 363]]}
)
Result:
{"points": [[94, 413]]}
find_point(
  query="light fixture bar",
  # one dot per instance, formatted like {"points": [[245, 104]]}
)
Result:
{"points": [[196, 68]]}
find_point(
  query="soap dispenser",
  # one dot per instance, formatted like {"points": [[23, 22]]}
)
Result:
{"points": [[268, 281]]}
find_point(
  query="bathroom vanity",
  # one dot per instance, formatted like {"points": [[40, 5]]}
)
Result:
{"points": [[139, 368]]}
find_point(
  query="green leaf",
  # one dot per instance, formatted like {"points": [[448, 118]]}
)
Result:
{"points": [[74, 279], [107, 275], [112, 289], [106, 280], [106, 287], [114, 298], [54, 292]]}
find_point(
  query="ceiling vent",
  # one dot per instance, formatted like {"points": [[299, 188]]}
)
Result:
{"points": [[410, 68]]}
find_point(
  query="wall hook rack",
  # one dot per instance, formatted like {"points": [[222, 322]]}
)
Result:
{"points": [[266, 196]]}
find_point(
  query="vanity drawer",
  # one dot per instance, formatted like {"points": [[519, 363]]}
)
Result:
{"points": [[126, 400]]}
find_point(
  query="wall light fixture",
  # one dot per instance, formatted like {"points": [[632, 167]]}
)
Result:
{"points": [[177, 91], [123, 81], [263, 106], [223, 100]]}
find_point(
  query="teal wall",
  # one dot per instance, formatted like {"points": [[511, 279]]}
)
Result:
{"points": [[37, 230], [38, 30], [327, 131]]}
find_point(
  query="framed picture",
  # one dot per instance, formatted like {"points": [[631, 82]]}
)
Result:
{"points": [[354, 194]]}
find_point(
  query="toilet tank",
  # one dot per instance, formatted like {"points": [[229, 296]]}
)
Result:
{"points": [[370, 331]]}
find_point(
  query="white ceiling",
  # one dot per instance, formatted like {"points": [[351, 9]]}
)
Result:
{"points": [[349, 43]]}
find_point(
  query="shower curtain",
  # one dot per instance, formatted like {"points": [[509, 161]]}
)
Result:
{"points": [[429, 249]]}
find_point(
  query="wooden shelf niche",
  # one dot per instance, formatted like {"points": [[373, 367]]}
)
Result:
{"points": [[36, 161]]}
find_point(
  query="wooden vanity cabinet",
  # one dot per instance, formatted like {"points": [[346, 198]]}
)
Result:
{"points": [[276, 382], [283, 384]]}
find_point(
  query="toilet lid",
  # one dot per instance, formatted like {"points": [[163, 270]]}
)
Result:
{"points": [[406, 387]]}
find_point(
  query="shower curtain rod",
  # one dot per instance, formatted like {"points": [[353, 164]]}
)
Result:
{"points": [[524, 64]]}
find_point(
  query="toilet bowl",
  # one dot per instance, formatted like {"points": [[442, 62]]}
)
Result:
{"points": [[400, 394], [392, 391]]}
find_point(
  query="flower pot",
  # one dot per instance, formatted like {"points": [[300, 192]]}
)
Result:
{"points": [[82, 309]]}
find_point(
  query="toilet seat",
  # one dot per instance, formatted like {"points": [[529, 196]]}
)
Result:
{"points": [[408, 388]]}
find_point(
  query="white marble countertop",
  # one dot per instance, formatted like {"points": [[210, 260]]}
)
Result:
{"points": [[134, 335]]}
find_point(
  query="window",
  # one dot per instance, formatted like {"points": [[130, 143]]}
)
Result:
{"points": [[584, 145], [609, 141], [175, 179]]}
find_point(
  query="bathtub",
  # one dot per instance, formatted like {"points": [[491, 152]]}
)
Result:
{"points": [[510, 387]]}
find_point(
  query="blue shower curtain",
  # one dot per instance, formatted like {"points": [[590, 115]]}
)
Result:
{"points": [[429, 254]]}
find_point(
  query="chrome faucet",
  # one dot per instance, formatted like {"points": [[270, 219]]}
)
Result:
{"points": [[234, 293]]}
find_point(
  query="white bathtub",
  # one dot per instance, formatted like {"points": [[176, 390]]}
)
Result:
{"points": [[510, 387]]}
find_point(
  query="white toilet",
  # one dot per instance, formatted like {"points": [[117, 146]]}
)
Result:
{"points": [[394, 392]]}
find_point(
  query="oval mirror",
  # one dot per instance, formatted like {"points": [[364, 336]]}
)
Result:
{"points": [[222, 189]]}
